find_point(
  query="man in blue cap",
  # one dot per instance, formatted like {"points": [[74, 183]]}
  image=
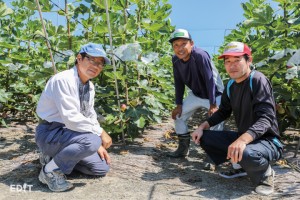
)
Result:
{"points": [[69, 135]]}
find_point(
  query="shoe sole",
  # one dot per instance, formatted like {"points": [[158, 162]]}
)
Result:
{"points": [[174, 155], [269, 192], [41, 178], [209, 167], [233, 176]]}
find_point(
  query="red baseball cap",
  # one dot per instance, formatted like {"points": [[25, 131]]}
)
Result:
{"points": [[235, 49]]}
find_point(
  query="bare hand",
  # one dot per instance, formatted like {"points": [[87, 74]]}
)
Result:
{"points": [[104, 155], [177, 112], [235, 151], [197, 134], [212, 109], [106, 140]]}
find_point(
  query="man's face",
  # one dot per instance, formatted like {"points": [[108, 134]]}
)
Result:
{"points": [[183, 48], [89, 67], [237, 67]]}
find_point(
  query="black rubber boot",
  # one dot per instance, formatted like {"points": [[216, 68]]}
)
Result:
{"points": [[183, 146]]}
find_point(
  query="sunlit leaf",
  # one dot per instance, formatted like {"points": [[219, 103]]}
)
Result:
{"points": [[140, 122], [30, 5], [4, 10], [7, 45]]}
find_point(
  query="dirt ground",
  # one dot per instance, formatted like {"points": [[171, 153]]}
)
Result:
{"points": [[139, 170]]}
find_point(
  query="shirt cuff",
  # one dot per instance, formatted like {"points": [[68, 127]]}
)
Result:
{"points": [[97, 130], [252, 133]]}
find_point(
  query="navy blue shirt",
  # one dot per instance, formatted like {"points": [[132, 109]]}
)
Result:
{"points": [[254, 110], [196, 73]]}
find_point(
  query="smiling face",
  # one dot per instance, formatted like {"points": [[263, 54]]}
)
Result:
{"points": [[183, 48], [89, 67], [237, 67]]}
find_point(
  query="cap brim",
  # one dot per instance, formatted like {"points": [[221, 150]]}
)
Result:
{"points": [[173, 39], [232, 54], [107, 61]]}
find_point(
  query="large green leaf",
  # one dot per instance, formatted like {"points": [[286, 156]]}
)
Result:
{"points": [[152, 26], [140, 122], [30, 5], [5, 96], [7, 45], [4, 10], [18, 56], [294, 21]]}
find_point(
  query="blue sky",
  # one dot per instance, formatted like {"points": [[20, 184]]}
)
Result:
{"points": [[207, 20]]}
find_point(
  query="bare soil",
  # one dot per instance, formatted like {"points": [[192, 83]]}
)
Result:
{"points": [[139, 170]]}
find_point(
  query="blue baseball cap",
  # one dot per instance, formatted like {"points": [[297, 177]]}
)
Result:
{"points": [[94, 50]]}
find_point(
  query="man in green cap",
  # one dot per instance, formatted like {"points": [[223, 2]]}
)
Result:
{"points": [[193, 68]]}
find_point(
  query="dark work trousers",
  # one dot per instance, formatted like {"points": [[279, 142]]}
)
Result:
{"points": [[70, 149], [257, 156]]}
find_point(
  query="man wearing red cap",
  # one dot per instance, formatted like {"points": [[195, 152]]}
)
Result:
{"points": [[255, 145], [192, 68], [69, 135]]}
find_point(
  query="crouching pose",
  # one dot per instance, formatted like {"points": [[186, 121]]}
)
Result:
{"points": [[69, 135], [256, 144]]}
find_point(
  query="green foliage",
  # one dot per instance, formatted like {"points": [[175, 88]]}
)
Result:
{"points": [[145, 87], [272, 36]]}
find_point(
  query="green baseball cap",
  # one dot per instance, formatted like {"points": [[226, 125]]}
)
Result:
{"points": [[180, 33]]}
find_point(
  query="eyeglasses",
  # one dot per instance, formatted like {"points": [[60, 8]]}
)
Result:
{"points": [[98, 64]]}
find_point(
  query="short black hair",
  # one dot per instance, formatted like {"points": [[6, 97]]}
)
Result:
{"points": [[82, 55], [247, 57]]}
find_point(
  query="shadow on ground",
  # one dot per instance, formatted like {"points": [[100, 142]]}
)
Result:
{"points": [[142, 167]]}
